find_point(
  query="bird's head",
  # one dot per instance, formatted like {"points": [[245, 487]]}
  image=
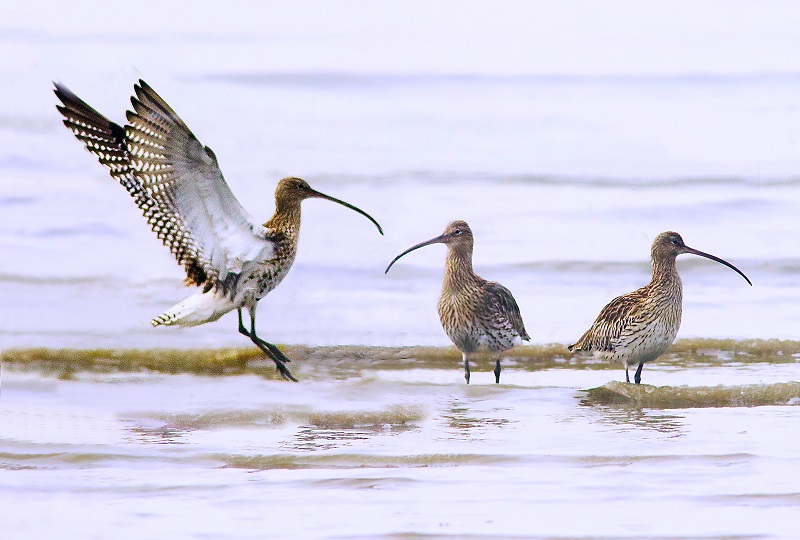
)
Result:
{"points": [[669, 245], [456, 235], [292, 191]]}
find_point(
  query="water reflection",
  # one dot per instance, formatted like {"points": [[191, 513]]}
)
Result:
{"points": [[324, 430], [627, 419], [158, 435], [464, 423], [311, 438]]}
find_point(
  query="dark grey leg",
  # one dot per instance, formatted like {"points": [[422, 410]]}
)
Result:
{"points": [[466, 366], [268, 348], [638, 377], [497, 371], [252, 335]]}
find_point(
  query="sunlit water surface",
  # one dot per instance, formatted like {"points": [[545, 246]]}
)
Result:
{"points": [[567, 136], [393, 453]]}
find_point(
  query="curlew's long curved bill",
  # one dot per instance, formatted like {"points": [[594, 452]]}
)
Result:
{"points": [[319, 195], [437, 240], [721, 261]]}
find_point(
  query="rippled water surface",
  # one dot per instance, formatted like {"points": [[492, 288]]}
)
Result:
{"points": [[367, 447], [567, 134]]}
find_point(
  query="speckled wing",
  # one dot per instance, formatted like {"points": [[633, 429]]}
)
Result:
{"points": [[175, 181], [503, 311], [107, 141], [617, 319]]}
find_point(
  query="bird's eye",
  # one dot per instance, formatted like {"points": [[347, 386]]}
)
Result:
{"points": [[674, 241], [457, 232]]}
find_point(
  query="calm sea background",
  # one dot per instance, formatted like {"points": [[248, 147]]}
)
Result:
{"points": [[567, 134]]}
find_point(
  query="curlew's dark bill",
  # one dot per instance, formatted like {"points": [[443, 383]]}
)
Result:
{"points": [[721, 261], [319, 195], [437, 240]]}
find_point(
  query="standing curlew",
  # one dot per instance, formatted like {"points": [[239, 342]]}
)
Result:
{"points": [[179, 187], [639, 326], [474, 312]]}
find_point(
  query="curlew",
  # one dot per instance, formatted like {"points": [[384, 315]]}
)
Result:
{"points": [[176, 182], [474, 312], [639, 326]]}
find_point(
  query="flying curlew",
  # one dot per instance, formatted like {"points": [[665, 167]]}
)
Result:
{"points": [[176, 182]]}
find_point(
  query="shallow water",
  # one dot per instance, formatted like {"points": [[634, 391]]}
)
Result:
{"points": [[402, 450], [568, 135]]}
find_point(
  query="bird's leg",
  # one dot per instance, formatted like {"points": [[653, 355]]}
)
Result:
{"points": [[260, 342], [277, 356], [255, 339], [242, 329], [497, 370], [637, 378], [267, 348], [627, 378], [466, 366]]}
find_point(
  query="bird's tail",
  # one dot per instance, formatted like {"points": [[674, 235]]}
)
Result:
{"points": [[197, 309]]}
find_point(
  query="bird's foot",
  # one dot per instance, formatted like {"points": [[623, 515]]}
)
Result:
{"points": [[284, 371], [275, 350], [262, 344], [276, 356]]}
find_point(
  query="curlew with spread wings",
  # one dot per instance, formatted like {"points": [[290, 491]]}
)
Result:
{"points": [[177, 184]]}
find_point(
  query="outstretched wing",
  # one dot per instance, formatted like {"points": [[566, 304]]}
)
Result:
{"points": [[618, 318], [503, 311], [175, 181]]}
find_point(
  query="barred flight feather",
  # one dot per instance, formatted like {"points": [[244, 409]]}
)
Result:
{"points": [[175, 181]]}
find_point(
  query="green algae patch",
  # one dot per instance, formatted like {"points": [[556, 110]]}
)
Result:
{"points": [[719, 351], [396, 416], [65, 362], [687, 397], [324, 460], [344, 361]]}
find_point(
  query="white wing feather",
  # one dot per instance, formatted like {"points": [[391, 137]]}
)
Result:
{"points": [[184, 176], [176, 182]]}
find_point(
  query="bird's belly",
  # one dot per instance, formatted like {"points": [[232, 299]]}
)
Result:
{"points": [[497, 339], [465, 338], [469, 331], [471, 337], [257, 281], [648, 344]]}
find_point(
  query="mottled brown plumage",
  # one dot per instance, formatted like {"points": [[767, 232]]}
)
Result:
{"points": [[474, 312], [176, 182], [639, 326]]}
